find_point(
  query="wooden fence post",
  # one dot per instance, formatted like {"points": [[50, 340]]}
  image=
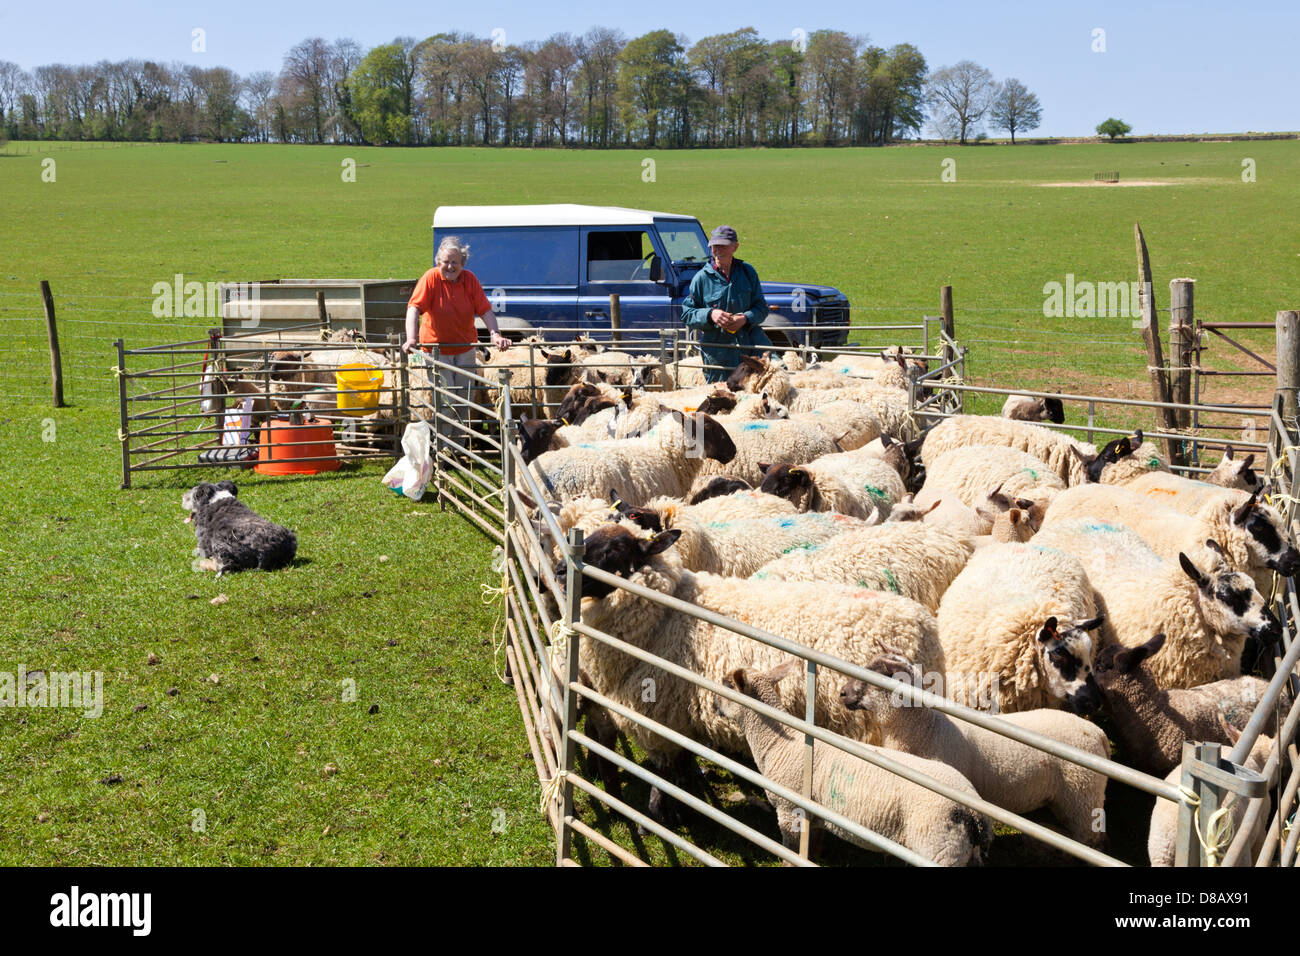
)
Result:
{"points": [[1155, 355], [1182, 324], [615, 318], [945, 310], [56, 360], [322, 314], [1288, 360]]}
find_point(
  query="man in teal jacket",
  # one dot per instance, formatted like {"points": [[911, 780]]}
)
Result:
{"points": [[725, 307]]}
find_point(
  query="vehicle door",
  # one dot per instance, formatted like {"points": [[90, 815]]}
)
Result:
{"points": [[627, 260]]}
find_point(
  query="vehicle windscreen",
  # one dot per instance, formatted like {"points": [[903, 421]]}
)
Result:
{"points": [[683, 240]]}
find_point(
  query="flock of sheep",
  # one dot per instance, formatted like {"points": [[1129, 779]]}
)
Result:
{"points": [[988, 559]]}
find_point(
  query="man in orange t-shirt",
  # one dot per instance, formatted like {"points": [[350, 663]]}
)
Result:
{"points": [[442, 307]]}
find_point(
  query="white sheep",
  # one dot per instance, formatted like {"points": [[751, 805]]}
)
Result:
{"points": [[850, 623], [852, 483], [1015, 776], [970, 471], [941, 830], [889, 404], [850, 424], [1182, 494], [1065, 456], [1014, 626], [758, 442], [1251, 536], [664, 461], [1206, 610], [1229, 473], [913, 559]]}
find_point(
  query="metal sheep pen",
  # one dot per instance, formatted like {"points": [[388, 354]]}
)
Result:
{"points": [[537, 644]]}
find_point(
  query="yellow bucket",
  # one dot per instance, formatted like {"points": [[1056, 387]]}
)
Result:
{"points": [[358, 387]]}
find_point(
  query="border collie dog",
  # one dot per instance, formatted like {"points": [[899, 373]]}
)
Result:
{"points": [[233, 537]]}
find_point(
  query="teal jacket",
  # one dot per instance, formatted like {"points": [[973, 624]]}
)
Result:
{"points": [[743, 293]]}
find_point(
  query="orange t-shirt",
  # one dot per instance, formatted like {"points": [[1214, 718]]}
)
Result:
{"points": [[447, 309]]}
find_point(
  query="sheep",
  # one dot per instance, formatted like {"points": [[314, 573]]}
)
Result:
{"points": [[1162, 838], [1026, 409], [889, 405], [760, 375], [851, 483], [941, 830], [850, 424], [664, 461], [967, 472], [716, 486], [740, 546], [893, 452], [1252, 536], [915, 560], [760, 441], [687, 373], [852, 624], [1229, 473], [1151, 723], [792, 361], [1206, 614], [1144, 458], [1065, 456], [748, 407], [1015, 776], [1017, 618], [1183, 494]]}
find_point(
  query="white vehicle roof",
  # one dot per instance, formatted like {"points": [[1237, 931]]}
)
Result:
{"points": [[556, 214]]}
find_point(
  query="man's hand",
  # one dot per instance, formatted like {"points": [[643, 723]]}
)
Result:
{"points": [[500, 341], [735, 321], [409, 345], [719, 318]]}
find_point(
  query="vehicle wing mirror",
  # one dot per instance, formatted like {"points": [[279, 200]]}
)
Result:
{"points": [[656, 269]]}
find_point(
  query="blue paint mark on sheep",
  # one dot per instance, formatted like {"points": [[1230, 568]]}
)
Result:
{"points": [[785, 522], [1099, 527], [755, 426]]}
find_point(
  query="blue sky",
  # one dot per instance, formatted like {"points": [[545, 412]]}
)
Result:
{"points": [[1167, 67]]}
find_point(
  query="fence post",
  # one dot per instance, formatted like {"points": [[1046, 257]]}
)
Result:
{"points": [[1288, 361], [56, 362], [663, 360], [572, 613], [1155, 354], [1182, 321], [532, 378], [507, 433], [322, 314], [945, 307], [123, 434], [615, 318]]}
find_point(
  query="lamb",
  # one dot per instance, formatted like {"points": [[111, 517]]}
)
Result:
{"points": [[1252, 536], [1013, 775], [1206, 614], [716, 486], [1026, 409], [762, 441], [852, 624], [1017, 618], [1151, 723], [968, 472], [1162, 838], [1229, 473], [609, 366], [665, 461], [748, 407], [978, 522], [934, 826], [851, 483], [915, 560]]}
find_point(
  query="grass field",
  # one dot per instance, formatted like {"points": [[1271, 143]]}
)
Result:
{"points": [[283, 768]]}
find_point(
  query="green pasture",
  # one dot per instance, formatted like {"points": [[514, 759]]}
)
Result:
{"points": [[283, 764]]}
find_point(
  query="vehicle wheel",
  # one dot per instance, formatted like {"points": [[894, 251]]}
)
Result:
{"points": [[779, 340]]}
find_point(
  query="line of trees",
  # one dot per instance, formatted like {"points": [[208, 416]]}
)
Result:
{"points": [[597, 90]]}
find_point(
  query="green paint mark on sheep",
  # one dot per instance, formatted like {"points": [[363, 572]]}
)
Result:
{"points": [[719, 524], [839, 778], [1030, 472], [806, 546], [892, 581], [875, 492], [1153, 463]]}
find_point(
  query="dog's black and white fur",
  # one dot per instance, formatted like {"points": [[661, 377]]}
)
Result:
{"points": [[233, 537]]}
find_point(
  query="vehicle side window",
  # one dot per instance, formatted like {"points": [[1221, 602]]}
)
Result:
{"points": [[622, 256], [530, 256]]}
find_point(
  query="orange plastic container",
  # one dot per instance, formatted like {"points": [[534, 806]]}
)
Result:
{"points": [[276, 459]]}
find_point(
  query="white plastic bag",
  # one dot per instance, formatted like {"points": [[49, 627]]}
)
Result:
{"points": [[411, 474]]}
